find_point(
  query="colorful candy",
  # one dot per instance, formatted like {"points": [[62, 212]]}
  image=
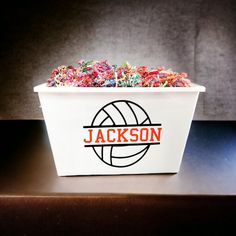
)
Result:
{"points": [[102, 74]]}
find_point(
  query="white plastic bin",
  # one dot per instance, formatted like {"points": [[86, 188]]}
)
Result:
{"points": [[113, 131]]}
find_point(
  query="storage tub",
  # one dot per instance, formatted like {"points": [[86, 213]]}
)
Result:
{"points": [[113, 131]]}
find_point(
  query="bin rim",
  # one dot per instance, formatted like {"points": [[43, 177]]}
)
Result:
{"points": [[43, 88]]}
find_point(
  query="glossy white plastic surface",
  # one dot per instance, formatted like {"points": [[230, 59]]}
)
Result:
{"points": [[68, 112]]}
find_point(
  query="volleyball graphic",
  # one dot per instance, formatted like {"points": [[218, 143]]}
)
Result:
{"points": [[121, 113]]}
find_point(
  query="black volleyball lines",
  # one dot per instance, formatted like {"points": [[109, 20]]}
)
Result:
{"points": [[121, 113]]}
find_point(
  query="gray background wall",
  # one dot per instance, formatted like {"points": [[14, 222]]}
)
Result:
{"points": [[198, 37]]}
